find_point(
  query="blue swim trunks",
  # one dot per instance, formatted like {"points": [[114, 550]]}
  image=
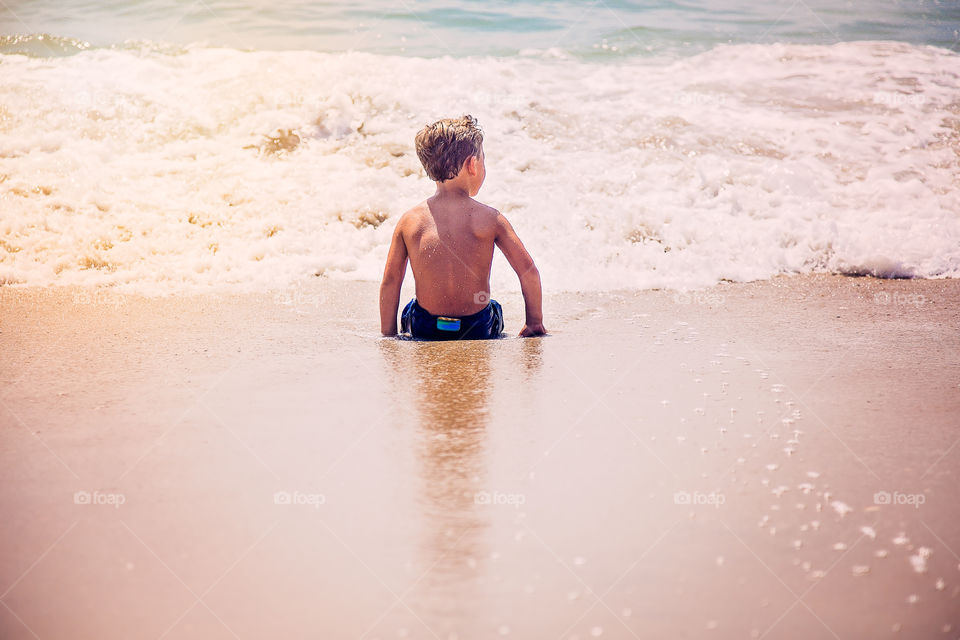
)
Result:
{"points": [[420, 323]]}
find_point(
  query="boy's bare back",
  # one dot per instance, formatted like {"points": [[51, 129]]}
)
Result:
{"points": [[449, 240], [450, 247]]}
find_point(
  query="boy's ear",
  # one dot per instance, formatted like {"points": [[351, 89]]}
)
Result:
{"points": [[470, 165]]}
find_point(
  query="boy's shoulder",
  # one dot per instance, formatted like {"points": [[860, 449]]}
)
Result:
{"points": [[486, 209], [413, 216], [483, 211], [416, 210]]}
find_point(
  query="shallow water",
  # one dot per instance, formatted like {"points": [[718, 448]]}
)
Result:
{"points": [[609, 29]]}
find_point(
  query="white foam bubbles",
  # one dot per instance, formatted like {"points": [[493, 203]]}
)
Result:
{"points": [[213, 167]]}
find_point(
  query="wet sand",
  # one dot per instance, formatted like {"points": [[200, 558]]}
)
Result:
{"points": [[771, 460]]}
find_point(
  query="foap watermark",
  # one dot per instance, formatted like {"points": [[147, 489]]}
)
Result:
{"points": [[897, 298], [297, 297], [101, 101], [699, 297], [280, 99], [897, 498], [696, 98], [299, 498], [481, 297], [506, 101], [699, 498], [99, 498], [897, 99], [515, 500], [98, 297]]}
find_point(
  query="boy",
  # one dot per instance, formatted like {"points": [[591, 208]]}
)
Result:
{"points": [[449, 240]]}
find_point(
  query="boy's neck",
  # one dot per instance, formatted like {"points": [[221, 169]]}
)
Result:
{"points": [[455, 188]]}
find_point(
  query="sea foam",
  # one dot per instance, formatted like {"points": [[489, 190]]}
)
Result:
{"points": [[203, 168]]}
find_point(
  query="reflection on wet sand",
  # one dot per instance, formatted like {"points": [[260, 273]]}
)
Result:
{"points": [[452, 384], [531, 355]]}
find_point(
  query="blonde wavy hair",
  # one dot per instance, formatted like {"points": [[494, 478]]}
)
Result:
{"points": [[445, 145]]}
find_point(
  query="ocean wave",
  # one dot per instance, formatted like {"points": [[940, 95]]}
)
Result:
{"points": [[41, 45], [203, 168]]}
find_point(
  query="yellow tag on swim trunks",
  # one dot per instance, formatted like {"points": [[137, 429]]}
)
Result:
{"points": [[448, 324]]}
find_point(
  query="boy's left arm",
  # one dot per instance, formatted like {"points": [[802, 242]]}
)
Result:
{"points": [[518, 257], [393, 273]]}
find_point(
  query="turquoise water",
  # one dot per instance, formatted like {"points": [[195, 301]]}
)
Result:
{"points": [[604, 29]]}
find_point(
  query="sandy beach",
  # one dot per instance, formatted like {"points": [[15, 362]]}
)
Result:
{"points": [[771, 460], [744, 423]]}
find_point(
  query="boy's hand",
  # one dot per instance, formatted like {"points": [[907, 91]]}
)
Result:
{"points": [[533, 329]]}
